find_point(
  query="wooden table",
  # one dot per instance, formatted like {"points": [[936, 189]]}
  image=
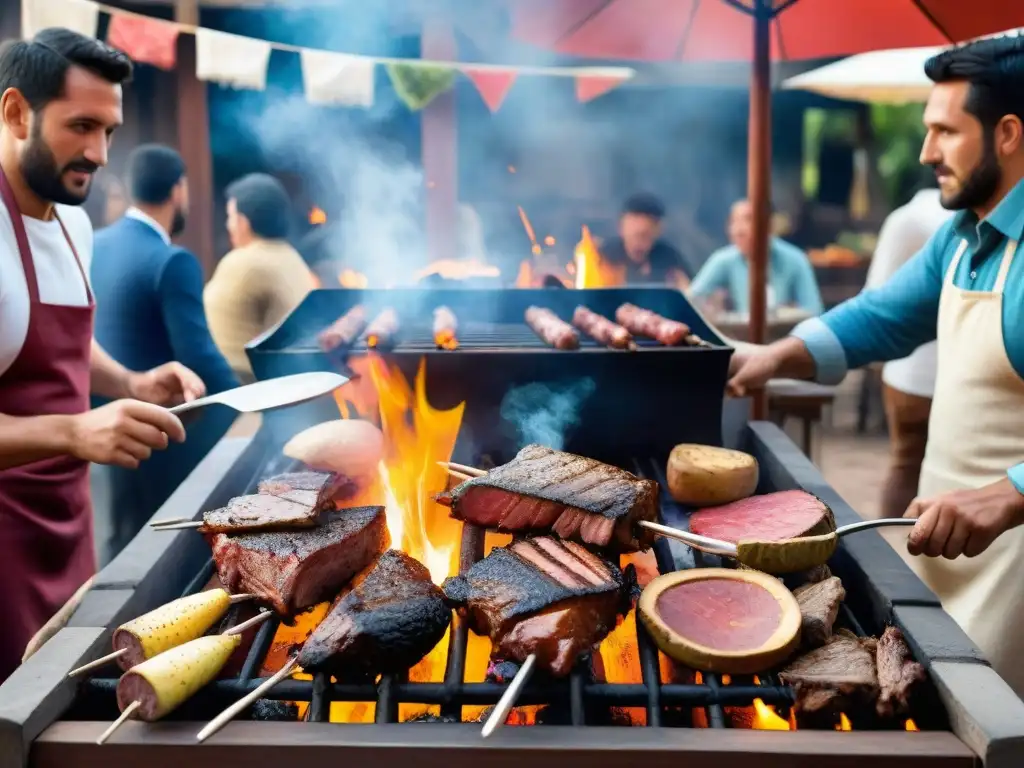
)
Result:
{"points": [[803, 400]]}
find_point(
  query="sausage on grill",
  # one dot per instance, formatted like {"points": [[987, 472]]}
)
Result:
{"points": [[552, 329], [601, 329], [382, 330], [445, 327], [344, 330], [643, 322]]}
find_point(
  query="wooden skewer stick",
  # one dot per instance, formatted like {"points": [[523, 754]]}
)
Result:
{"points": [[259, 618], [226, 716], [508, 699], [104, 660], [471, 471], [128, 711], [178, 526], [169, 520], [459, 475]]}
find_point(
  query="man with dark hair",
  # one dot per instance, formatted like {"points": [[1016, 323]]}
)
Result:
{"points": [[149, 310], [964, 288], [639, 248], [791, 280], [263, 278], [60, 102]]}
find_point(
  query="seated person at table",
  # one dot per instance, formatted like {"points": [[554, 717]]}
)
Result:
{"points": [[639, 247], [791, 280]]}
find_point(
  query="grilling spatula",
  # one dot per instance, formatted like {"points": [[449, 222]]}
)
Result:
{"points": [[270, 394]]}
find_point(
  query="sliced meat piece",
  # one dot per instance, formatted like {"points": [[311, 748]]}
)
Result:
{"points": [[839, 676], [543, 596], [819, 607], [769, 517], [317, 489], [385, 624], [577, 498], [260, 512], [294, 570], [898, 673]]}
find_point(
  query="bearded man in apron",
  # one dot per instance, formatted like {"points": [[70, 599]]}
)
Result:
{"points": [[965, 289], [60, 100]]}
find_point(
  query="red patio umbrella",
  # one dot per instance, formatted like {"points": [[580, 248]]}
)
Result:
{"points": [[761, 30]]}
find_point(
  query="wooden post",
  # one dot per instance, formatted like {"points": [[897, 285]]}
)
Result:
{"points": [[439, 128], [194, 142], [759, 170]]}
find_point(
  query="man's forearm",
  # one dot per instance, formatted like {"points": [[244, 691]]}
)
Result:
{"points": [[108, 378], [27, 439], [795, 361]]}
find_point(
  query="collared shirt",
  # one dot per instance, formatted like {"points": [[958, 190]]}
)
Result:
{"points": [[145, 218], [791, 279], [890, 322]]}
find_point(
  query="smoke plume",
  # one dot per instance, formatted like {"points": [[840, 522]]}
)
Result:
{"points": [[545, 414]]}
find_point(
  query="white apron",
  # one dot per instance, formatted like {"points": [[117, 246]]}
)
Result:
{"points": [[976, 433]]}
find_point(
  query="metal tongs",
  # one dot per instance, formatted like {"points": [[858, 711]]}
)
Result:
{"points": [[728, 549]]}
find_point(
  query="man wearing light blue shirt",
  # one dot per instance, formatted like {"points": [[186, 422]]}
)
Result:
{"points": [[964, 289], [791, 280]]}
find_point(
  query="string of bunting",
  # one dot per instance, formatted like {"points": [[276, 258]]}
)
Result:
{"points": [[328, 77]]}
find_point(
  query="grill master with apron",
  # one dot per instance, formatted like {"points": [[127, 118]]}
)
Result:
{"points": [[46, 548]]}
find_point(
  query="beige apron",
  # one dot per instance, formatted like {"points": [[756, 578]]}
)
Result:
{"points": [[976, 432]]}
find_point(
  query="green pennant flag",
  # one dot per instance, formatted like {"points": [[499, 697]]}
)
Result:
{"points": [[418, 85]]}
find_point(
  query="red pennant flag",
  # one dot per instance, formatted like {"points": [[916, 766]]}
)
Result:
{"points": [[589, 88], [145, 40], [493, 85]]}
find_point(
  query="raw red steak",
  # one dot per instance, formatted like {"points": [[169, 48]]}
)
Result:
{"points": [[771, 517]]}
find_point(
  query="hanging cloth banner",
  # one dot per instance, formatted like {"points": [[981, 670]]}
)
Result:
{"points": [[145, 40], [338, 78], [419, 84], [81, 16], [589, 88], [232, 60], [493, 84]]}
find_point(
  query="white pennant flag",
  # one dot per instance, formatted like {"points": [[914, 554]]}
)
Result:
{"points": [[79, 16], [338, 78], [233, 60]]}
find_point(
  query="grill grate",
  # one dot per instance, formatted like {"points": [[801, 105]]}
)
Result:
{"points": [[418, 338], [579, 694]]}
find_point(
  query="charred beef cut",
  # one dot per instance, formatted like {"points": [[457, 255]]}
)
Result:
{"points": [[385, 624], [898, 673], [819, 606], [293, 500], [839, 676], [542, 490], [295, 570], [552, 598]]}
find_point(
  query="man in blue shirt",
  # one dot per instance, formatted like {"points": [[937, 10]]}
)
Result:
{"points": [[965, 289], [791, 280], [149, 310]]}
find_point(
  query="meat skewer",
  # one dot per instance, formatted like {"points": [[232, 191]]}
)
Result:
{"points": [[381, 332], [343, 331], [385, 624], [165, 627], [643, 322], [446, 325], [292, 500], [552, 329], [602, 330], [577, 498]]}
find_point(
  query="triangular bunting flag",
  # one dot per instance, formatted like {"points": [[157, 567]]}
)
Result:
{"points": [[589, 88], [148, 41], [79, 16], [338, 78], [418, 85], [493, 84], [232, 60]]}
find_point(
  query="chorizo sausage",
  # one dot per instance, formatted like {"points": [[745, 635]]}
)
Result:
{"points": [[344, 330], [643, 322], [381, 332], [445, 327], [552, 329], [601, 329]]}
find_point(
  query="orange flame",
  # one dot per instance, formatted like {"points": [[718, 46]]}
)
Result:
{"points": [[317, 216], [844, 723], [534, 246], [349, 278], [591, 270], [910, 725]]}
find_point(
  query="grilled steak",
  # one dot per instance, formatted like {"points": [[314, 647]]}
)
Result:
{"points": [[295, 570], [819, 606], [543, 596], [898, 673], [293, 500], [385, 624], [574, 497], [838, 676], [769, 517]]}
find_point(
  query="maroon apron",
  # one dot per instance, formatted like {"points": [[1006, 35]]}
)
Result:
{"points": [[46, 549]]}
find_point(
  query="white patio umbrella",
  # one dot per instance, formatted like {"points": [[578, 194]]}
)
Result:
{"points": [[889, 77]]}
